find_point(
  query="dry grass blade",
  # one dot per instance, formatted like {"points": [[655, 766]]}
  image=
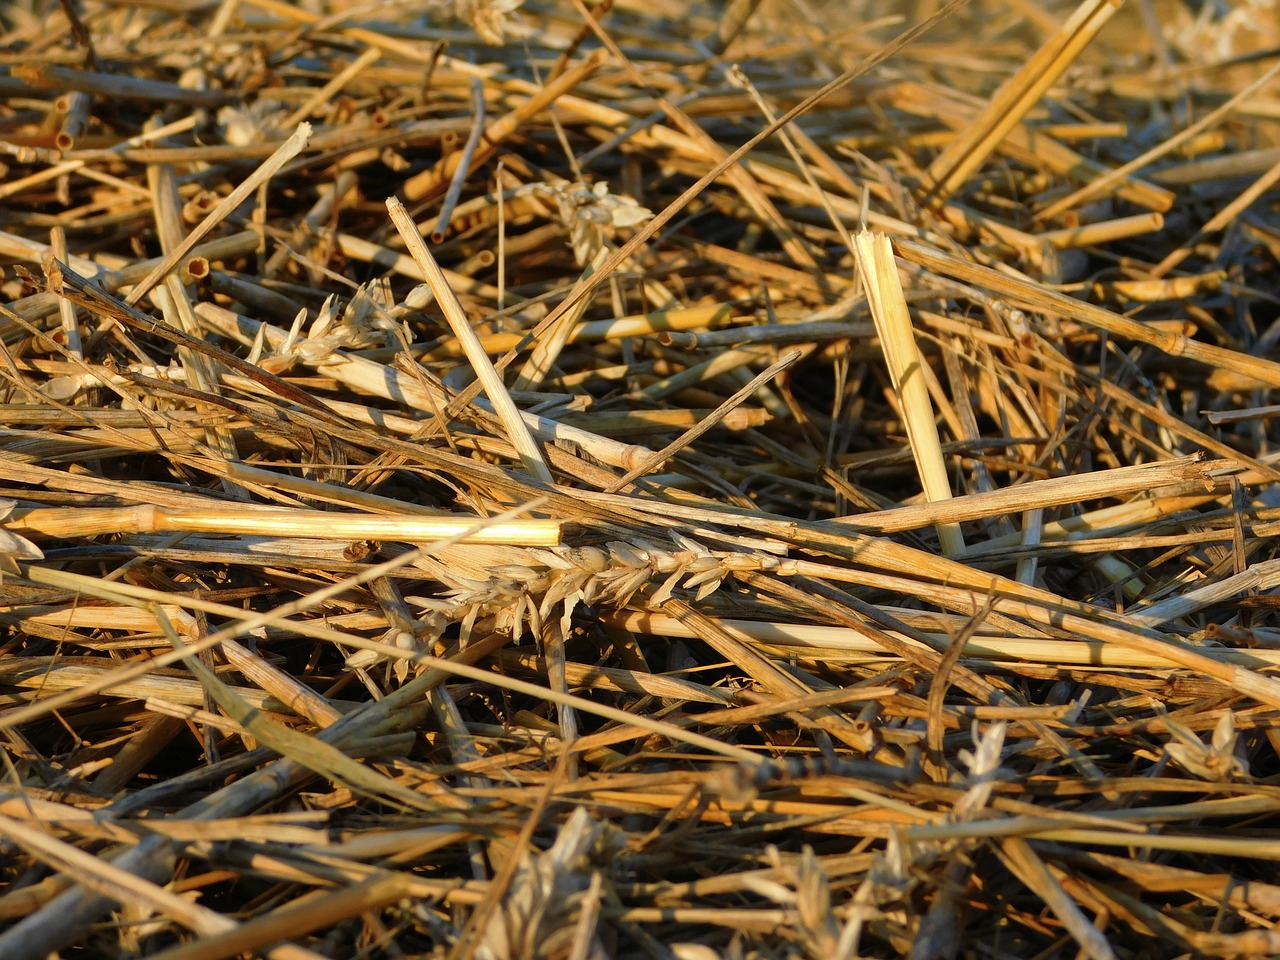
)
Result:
{"points": [[888, 588]]}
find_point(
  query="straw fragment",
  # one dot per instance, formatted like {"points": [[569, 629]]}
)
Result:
{"points": [[879, 273]]}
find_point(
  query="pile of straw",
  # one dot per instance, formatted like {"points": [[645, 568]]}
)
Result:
{"points": [[758, 479]]}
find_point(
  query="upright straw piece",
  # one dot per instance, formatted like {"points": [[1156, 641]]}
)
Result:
{"points": [[521, 438], [897, 340]]}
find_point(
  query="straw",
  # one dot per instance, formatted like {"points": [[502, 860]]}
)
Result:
{"points": [[755, 313], [530, 454], [879, 274]]}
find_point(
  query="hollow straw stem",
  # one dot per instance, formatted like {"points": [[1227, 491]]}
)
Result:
{"points": [[429, 183], [952, 168], [286, 152], [274, 522], [527, 448], [888, 306], [1039, 493], [1028, 294]]}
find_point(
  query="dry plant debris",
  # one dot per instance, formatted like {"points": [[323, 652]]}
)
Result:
{"points": [[756, 479]]}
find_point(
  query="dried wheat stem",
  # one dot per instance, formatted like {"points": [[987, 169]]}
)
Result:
{"points": [[689, 436], [786, 639], [431, 182], [1038, 493], [378, 380], [286, 152], [75, 119], [668, 730], [551, 341], [1228, 215], [1101, 184], [1037, 297], [275, 522], [122, 886], [517, 431], [339, 80], [1107, 231], [114, 86], [888, 307], [459, 178], [1015, 97]]}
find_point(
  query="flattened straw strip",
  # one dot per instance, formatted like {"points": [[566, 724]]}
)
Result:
{"points": [[1101, 184], [275, 522], [283, 154], [879, 271], [1034, 494], [1032, 295], [504, 406], [1259, 578], [290, 691], [951, 169], [1023, 862]]}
